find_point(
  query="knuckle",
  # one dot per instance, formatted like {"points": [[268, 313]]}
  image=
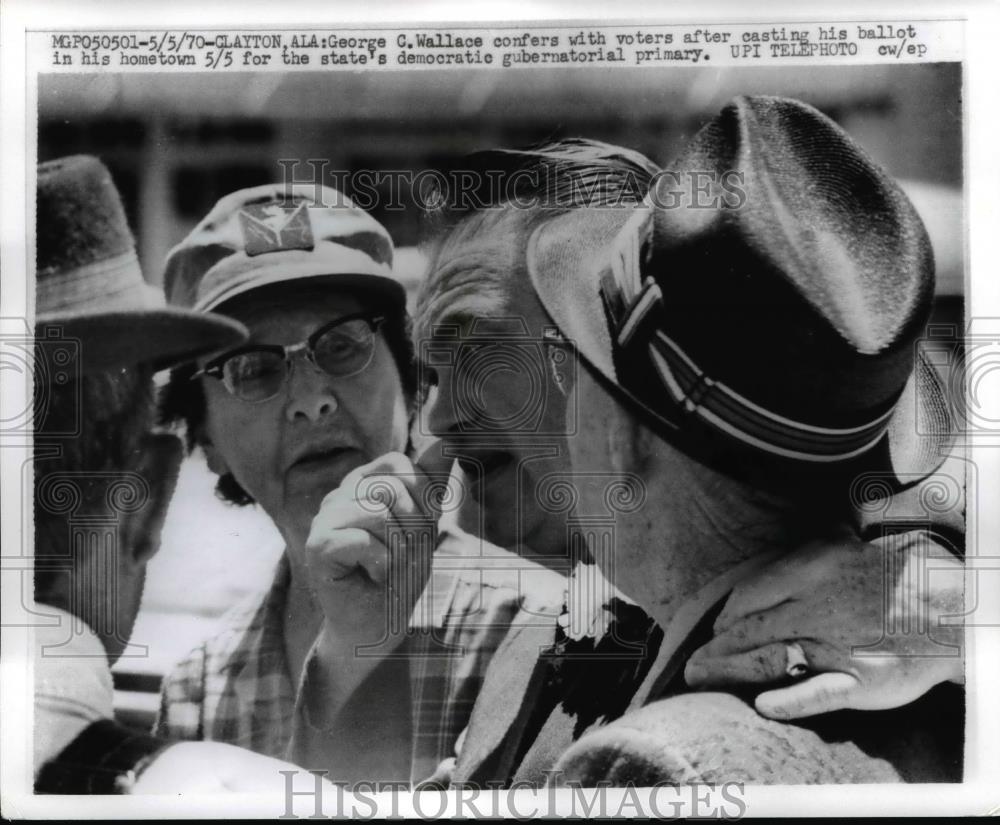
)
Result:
{"points": [[399, 462], [321, 543], [332, 498], [350, 481], [377, 492]]}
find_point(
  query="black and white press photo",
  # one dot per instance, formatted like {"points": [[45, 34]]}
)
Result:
{"points": [[556, 417]]}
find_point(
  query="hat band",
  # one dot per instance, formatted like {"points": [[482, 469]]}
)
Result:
{"points": [[633, 309], [108, 285], [724, 408]]}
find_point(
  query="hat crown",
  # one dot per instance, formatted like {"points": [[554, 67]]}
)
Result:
{"points": [[764, 301], [89, 286], [815, 282], [817, 209], [79, 217], [85, 256], [274, 233]]}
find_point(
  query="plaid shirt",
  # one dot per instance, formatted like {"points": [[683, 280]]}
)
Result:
{"points": [[236, 686]]}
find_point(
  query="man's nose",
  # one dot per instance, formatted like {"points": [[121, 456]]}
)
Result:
{"points": [[311, 393]]}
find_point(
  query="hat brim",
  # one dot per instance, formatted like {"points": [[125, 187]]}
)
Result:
{"points": [[243, 275], [387, 289], [159, 337], [565, 259]]}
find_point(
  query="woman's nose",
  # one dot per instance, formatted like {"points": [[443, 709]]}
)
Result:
{"points": [[311, 391]]}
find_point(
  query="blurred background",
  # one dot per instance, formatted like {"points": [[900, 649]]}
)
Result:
{"points": [[176, 143]]}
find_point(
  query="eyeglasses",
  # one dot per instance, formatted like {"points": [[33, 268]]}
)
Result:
{"points": [[257, 373]]}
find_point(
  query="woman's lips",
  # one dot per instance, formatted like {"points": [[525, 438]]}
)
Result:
{"points": [[320, 457], [322, 462]]}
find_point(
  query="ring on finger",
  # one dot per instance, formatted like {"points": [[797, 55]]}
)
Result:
{"points": [[796, 663]]}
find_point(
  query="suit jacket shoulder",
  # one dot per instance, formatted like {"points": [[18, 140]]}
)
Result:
{"points": [[717, 737]]}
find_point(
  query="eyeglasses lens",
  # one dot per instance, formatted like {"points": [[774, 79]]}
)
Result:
{"points": [[254, 376], [345, 349], [341, 351]]}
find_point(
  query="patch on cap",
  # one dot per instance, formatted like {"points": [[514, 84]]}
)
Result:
{"points": [[271, 227]]}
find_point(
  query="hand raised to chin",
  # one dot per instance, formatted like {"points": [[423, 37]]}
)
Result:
{"points": [[369, 556]]}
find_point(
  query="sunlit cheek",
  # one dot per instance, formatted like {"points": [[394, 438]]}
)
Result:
{"points": [[244, 437], [380, 407], [400, 424], [424, 425], [436, 411]]}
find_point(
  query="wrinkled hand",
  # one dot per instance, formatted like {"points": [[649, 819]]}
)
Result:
{"points": [[213, 767], [833, 598], [369, 549]]}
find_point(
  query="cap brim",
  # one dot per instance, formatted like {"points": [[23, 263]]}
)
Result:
{"points": [[566, 257], [239, 274], [391, 291], [160, 337]]}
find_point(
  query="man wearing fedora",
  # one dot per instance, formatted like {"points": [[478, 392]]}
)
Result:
{"points": [[360, 658], [751, 362], [478, 280], [255, 700], [103, 479]]}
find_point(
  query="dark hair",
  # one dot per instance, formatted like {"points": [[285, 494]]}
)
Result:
{"points": [[83, 429], [183, 400]]}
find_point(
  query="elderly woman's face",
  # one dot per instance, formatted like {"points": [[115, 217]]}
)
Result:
{"points": [[289, 451]]}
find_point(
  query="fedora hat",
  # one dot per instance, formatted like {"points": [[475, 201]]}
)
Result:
{"points": [[275, 234], [765, 301], [89, 285]]}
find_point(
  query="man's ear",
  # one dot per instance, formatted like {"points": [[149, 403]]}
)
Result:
{"points": [[159, 465]]}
